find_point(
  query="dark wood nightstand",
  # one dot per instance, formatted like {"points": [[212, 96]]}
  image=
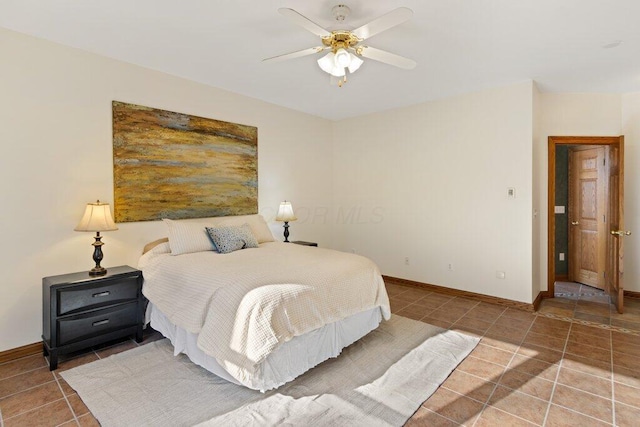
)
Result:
{"points": [[80, 311], [303, 243]]}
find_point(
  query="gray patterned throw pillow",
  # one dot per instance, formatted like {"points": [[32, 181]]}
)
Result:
{"points": [[232, 238]]}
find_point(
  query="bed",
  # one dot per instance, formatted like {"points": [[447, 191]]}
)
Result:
{"points": [[263, 315]]}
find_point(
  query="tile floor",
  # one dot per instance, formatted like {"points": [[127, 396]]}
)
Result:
{"points": [[552, 368]]}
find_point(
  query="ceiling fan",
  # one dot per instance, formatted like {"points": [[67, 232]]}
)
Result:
{"points": [[345, 45]]}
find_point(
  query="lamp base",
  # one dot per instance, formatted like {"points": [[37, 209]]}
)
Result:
{"points": [[286, 231], [97, 271]]}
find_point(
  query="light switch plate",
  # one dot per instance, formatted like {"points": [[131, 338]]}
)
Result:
{"points": [[559, 209]]}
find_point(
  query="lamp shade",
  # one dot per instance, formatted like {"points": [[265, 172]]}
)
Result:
{"points": [[97, 217], [285, 212]]}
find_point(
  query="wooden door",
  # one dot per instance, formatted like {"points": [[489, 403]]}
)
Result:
{"points": [[587, 216], [615, 237]]}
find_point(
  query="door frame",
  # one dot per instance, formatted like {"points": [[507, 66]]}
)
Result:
{"points": [[554, 141]]}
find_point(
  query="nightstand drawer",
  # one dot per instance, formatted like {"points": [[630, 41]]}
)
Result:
{"points": [[78, 328], [81, 298]]}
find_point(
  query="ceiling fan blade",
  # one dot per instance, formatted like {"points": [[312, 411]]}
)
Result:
{"points": [[303, 21], [391, 19], [297, 54], [386, 57]]}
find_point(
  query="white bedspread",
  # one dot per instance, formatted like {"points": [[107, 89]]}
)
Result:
{"points": [[244, 304]]}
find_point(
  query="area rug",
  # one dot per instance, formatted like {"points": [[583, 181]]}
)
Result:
{"points": [[380, 380]]}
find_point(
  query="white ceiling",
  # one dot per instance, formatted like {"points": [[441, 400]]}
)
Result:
{"points": [[460, 45]]}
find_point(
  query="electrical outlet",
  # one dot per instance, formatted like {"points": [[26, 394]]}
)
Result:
{"points": [[561, 256], [406, 261], [450, 267], [500, 274]]}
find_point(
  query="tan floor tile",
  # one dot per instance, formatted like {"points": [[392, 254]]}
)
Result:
{"points": [[627, 395], [501, 331], [549, 331], [467, 331], [590, 330], [587, 365], [469, 385], [30, 399], [626, 348], [605, 320], [486, 311], [521, 324], [627, 376], [593, 340], [585, 382], [584, 350], [459, 302], [25, 381], [542, 353], [502, 343], [584, 403], [492, 354], [525, 383], [534, 367], [622, 338], [634, 326], [558, 311], [408, 314], [542, 321], [492, 417], [404, 297], [453, 406], [592, 308], [437, 322], [624, 360], [627, 416], [21, 366], [397, 304], [481, 368], [426, 418], [472, 323], [52, 414], [519, 404], [562, 417], [450, 314], [514, 313], [545, 341]]}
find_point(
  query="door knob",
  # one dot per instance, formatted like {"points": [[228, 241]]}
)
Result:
{"points": [[620, 233], [574, 223]]}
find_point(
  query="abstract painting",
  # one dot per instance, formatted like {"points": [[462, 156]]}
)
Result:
{"points": [[173, 165]]}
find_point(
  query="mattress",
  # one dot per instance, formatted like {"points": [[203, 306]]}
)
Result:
{"points": [[290, 359]]}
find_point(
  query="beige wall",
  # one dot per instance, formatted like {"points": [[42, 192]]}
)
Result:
{"points": [[430, 183], [426, 182], [631, 131], [55, 109]]}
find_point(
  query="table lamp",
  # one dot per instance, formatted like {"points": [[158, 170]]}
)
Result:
{"points": [[97, 217], [285, 213]]}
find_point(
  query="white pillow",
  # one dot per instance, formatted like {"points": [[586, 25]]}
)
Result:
{"points": [[186, 237], [190, 236], [257, 223]]}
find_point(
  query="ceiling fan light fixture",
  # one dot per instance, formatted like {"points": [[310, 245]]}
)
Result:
{"points": [[327, 63], [342, 58], [355, 63]]}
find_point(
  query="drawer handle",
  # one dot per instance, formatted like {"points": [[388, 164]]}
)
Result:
{"points": [[101, 322], [101, 294]]}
